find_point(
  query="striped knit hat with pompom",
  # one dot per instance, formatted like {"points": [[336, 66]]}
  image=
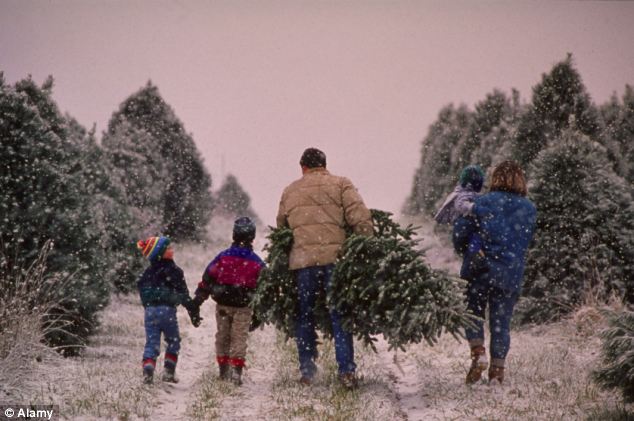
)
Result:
{"points": [[154, 247]]}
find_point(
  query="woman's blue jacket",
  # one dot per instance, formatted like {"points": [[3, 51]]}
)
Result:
{"points": [[505, 222]]}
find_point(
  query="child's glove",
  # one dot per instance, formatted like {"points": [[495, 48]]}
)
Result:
{"points": [[194, 316], [255, 322], [193, 309]]}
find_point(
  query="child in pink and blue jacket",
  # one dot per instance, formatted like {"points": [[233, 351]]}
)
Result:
{"points": [[230, 279]]}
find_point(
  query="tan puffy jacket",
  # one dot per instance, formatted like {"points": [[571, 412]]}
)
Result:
{"points": [[317, 207]]}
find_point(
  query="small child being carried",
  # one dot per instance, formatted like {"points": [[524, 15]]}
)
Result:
{"points": [[460, 203]]}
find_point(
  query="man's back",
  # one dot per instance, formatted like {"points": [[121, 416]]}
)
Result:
{"points": [[317, 208]]}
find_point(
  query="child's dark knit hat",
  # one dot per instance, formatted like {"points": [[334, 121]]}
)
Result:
{"points": [[472, 175], [153, 248], [313, 158], [243, 230]]}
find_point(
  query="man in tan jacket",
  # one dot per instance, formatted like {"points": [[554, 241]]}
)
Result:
{"points": [[318, 207]]}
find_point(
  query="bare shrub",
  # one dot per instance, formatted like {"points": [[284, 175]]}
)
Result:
{"points": [[25, 304]]}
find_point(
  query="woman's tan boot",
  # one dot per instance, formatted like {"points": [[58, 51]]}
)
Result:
{"points": [[496, 373], [479, 364]]}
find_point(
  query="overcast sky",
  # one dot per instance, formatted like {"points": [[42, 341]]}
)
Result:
{"points": [[258, 82]]}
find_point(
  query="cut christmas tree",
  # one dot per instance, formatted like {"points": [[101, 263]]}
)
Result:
{"points": [[380, 285]]}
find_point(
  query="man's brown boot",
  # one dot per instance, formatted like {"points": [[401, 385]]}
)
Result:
{"points": [[306, 381], [349, 381], [479, 364]]}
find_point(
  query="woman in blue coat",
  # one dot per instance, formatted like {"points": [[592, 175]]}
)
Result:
{"points": [[504, 219]]}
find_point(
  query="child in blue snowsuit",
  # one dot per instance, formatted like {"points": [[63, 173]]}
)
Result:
{"points": [[460, 203], [162, 288]]}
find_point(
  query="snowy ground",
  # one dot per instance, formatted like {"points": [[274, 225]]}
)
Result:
{"points": [[547, 376]]}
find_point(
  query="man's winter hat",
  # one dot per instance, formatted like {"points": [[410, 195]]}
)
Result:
{"points": [[154, 247], [472, 175], [243, 230], [313, 158]]}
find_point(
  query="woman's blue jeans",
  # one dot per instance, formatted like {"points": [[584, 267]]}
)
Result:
{"points": [[501, 304], [161, 319], [309, 281]]}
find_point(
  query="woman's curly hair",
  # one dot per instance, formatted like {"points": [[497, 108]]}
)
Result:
{"points": [[508, 176]]}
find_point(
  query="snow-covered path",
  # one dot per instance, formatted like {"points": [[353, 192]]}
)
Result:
{"points": [[195, 355], [547, 378]]}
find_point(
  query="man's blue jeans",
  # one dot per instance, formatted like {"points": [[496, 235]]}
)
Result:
{"points": [[501, 303], [161, 319], [309, 281]]}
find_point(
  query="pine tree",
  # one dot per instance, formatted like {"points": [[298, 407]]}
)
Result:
{"points": [[110, 215], [618, 135], [616, 370], [584, 241], [231, 200], [488, 115], [458, 138], [380, 285], [440, 159], [491, 132], [140, 173], [45, 193], [559, 95], [185, 204]]}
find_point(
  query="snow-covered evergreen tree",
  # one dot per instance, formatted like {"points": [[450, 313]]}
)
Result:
{"points": [[585, 221], [484, 132], [459, 138], [494, 123], [559, 95], [158, 139], [140, 172], [437, 174], [232, 200], [111, 216], [45, 190], [618, 134], [584, 241]]}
